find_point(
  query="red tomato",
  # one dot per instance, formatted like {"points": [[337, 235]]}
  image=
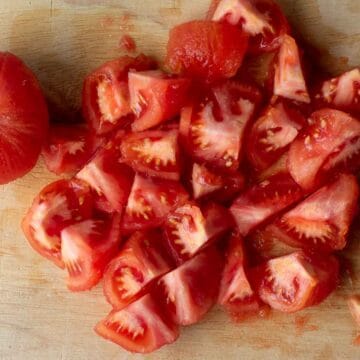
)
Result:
{"points": [[206, 50], [110, 179], [263, 20], [322, 220], [289, 77], [142, 260], [141, 327], [86, 249], [155, 153], [331, 142], [213, 130], [105, 98], [188, 292], [150, 202], [293, 282], [272, 134], [23, 118], [263, 201], [236, 293], [354, 306], [58, 206], [156, 97]]}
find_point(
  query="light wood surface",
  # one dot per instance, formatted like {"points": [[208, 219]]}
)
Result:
{"points": [[39, 319]]}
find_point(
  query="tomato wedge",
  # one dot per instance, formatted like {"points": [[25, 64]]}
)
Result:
{"points": [[189, 292], [155, 153], [293, 282], [106, 98], [141, 327], [58, 205], [354, 306], [331, 143]]}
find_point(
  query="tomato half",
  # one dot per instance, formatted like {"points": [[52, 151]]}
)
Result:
{"points": [[294, 282], [141, 327], [206, 50], [106, 98], [156, 97], [23, 118], [142, 260], [330, 143], [86, 249], [57, 206], [354, 306], [189, 292]]}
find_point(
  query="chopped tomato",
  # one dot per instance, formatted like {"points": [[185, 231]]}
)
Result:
{"points": [[23, 118], [293, 282], [236, 293], [263, 201], [289, 77], [263, 20], [330, 143], [150, 202], [354, 306], [155, 153], [272, 134], [58, 206], [141, 327], [156, 97], [189, 292], [110, 179], [206, 50], [86, 249], [322, 220], [141, 261], [106, 98]]}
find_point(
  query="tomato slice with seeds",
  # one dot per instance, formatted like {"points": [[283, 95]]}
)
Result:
{"points": [[189, 292], [58, 205], [155, 153], [272, 134], [263, 201], [156, 97], [150, 201], [354, 306], [142, 260], [330, 143], [86, 249], [141, 327], [296, 281]]}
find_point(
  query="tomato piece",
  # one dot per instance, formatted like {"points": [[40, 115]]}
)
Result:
{"points": [[354, 307], [322, 220], [236, 293], [206, 50], [263, 201], [296, 281], [329, 144], [156, 97], [142, 260], [106, 98], [213, 130], [190, 228], [86, 249], [272, 134], [56, 207], [189, 292], [23, 118], [154, 152], [150, 202], [111, 179], [141, 327]]}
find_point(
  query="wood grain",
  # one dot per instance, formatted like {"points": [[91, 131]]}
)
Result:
{"points": [[39, 318]]}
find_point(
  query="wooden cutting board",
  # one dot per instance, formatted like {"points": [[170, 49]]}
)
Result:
{"points": [[39, 319]]}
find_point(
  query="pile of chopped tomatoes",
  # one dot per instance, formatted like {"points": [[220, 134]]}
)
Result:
{"points": [[228, 179]]}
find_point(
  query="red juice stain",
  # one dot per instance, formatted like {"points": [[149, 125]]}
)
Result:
{"points": [[106, 21], [356, 341], [127, 43], [302, 324]]}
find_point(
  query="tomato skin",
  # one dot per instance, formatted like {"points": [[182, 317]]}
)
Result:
{"points": [[140, 328], [106, 90], [23, 118], [206, 50], [58, 205]]}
